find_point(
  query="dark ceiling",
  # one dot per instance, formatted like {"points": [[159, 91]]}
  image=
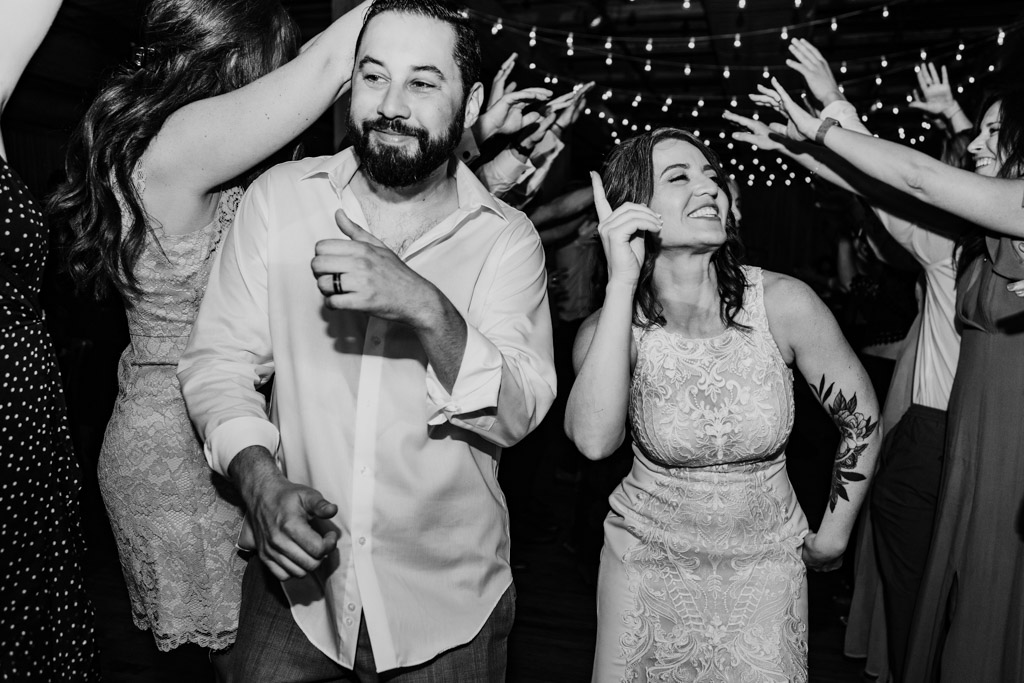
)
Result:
{"points": [[91, 35]]}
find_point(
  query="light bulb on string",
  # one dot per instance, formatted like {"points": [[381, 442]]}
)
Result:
{"points": [[625, 122], [785, 33], [885, 62], [608, 43], [497, 27], [633, 128], [842, 90], [554, 80], [842, 68], [608, 59], [533, 37], [885, 12], [568, 45], [736, 42], [742, 4], [650, 45], [686, 4], [878, 80], [959, 56], [647, 128], [733, 102], [692, 43], [960, 90], [765, 74], [1001, 37], [700, 102], [991, 67], [835, 25], [668, 103], [896, 111], [970, 79], [636, 100], [796, 3], [694, 112], [647, 66], [924, 55], [726, 73], [533, 65], [686, 70], [607, 95]]}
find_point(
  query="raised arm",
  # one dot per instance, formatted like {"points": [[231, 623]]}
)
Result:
{"points": [[604, 353], [808, 335], [992, 203], [207, 143], [23, 23]]}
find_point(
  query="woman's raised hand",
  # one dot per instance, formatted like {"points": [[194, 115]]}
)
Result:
{"points": [[802, 125], [622, 234], [757, 133]]}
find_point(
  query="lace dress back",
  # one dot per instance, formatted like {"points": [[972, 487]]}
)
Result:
{"points": [[701, 575], [174, 519]]}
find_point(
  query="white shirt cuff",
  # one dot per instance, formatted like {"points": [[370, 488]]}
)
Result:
{"points": [[229, 438], [476, 387], [845, 113]]}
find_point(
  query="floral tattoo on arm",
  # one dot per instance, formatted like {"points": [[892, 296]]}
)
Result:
{"points": [[854, 430]]}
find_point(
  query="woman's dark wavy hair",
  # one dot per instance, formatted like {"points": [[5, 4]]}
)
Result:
{"points": [[1008, 90], [467, 42], [628, 176], [192, 50]]}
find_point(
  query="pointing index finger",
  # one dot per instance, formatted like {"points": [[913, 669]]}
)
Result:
{"points": [[604, 209]]}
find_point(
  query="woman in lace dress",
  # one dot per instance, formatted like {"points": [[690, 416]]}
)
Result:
{"points": [[211, 95], [702, 573]]}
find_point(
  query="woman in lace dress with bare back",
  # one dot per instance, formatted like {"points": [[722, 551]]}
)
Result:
{"points": [[702, 573], [154, 176]]}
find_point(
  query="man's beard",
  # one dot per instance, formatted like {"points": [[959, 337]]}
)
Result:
{"points": [[392, 166]]}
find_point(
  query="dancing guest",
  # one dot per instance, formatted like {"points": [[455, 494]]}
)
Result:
{"points": [[907, 485], [154, 175], [46, 619], [969, 620], [418, 351], [702, 573]]}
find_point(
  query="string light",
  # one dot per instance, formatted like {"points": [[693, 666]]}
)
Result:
{"points": [[692, 43], [835, 25], [636, 100], [1001, 37], [568, 45], [533, 37], [878, 80], [765, 73], [686, 70], [650, 45], [608, 43], [725, 72], [686, 4], [742, 4], [842, 68], [608, 59], [796, 3], [497, 27], [647, 66], [785, 33], [736, 41], [607, 95], [885, 12], [733, 102], [885, 62], [924, 55]]}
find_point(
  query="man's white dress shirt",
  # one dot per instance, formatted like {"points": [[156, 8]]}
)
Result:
{"points": [[358, 413]]}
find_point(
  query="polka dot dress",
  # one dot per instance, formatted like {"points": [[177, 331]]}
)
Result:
{"points": [[46, 619]]}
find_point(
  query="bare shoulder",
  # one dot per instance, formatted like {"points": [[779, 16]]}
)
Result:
{"points": [[796, 314]]}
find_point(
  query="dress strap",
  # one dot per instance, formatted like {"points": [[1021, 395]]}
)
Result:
{"points": [[754, 313]]}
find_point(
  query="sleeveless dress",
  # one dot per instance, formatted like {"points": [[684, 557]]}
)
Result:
{"points": [[969, 624], [701, 574], [46, 618], [172, 516]]}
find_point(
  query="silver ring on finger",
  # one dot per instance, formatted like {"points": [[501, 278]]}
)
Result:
{"points": [[336, 283]]}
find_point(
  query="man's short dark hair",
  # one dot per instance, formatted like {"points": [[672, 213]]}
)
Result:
{"points": [[467, 43]]}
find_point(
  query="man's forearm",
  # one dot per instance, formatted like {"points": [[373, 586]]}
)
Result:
{"points": [[443, 336], [251, 469]]}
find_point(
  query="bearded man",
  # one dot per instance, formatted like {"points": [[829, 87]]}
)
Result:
{"points": [[417, 348]]}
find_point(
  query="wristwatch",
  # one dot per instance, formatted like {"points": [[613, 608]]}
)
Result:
{"points": [[828, 122]]}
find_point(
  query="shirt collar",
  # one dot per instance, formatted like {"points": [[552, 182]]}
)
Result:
{"points": [[341, 168]]}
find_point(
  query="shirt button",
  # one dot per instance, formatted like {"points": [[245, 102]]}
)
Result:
{"points": [[376, 341], [362, 540], [351, 607], [363, 470], [348, 621]]}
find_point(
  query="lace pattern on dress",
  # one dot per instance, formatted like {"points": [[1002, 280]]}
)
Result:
{"points": [[715, 570]]}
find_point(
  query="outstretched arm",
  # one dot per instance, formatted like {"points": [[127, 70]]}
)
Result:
{"points": [[209, 142], [23, 23], [808, 335], [992, 203]]}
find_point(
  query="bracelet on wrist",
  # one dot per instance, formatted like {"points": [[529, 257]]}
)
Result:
{"points": [[823, 129]]}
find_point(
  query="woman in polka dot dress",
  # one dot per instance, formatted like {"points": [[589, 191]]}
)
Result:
{"points": [[153, 181], [46, 619]]}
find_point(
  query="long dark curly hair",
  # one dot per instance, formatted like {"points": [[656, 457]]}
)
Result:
{"points": [[628, 176], [191, 50]]}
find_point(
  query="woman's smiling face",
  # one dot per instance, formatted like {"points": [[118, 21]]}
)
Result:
{"points": [[988, 160]]}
